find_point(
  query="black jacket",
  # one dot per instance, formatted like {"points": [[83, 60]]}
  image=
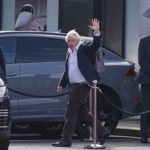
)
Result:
{"points": [[86, 61], [143, 76], [2, 67]]}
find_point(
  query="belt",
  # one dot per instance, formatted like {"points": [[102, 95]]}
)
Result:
{"points": [[77, 84]]}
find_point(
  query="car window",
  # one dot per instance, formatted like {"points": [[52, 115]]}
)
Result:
{"points": [[8, 46], [109, 55], [43, 49]]}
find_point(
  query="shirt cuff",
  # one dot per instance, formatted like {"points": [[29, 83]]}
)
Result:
{"points": [[97, 34]]}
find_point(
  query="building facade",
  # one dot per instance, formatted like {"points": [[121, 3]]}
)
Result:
{"points": [[120, 19]]}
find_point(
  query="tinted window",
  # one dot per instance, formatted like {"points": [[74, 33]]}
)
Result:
{"points": [[8, 46], [43, 49]]}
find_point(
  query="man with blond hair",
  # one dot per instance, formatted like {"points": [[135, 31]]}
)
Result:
{"points": [[79, 74]]}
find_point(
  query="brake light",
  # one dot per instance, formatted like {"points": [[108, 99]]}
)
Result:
{"points": [[138, 98], [131, 72]]}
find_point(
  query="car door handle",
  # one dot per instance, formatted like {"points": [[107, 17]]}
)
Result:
{"points": [[11, 74]]}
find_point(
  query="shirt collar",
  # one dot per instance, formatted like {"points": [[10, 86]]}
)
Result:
{"points": [[76, 48]]}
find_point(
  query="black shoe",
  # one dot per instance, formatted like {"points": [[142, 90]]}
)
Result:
{"points": [[144, 140], [61, 144], [103, 138]]}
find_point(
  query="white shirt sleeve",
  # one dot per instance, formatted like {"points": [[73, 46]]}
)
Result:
{"points": [[97, 34]]}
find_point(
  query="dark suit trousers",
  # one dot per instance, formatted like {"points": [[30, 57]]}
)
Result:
{"points": [[77, 104], [145, 118]]}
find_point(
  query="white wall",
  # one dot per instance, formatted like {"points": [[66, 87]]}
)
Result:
{"points": [[132, 30], [144, 17], [8, 12], [52, 15]]}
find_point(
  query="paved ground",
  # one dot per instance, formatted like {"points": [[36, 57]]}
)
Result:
{"points": [[129, 127], [126, 137], [113, 143]]}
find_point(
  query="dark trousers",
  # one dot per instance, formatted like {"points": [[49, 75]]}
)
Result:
{"points": [[145, 118], [77, 104]]}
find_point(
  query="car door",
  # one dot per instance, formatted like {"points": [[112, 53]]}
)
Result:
{"points": [[8, 45], [40, 71]]}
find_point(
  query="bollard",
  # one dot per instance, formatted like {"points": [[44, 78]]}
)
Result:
{"points": [[94, 145], [90, 110]]}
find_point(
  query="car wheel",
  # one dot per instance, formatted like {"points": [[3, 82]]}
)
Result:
{"points": [[47, 130], [107, 114], [82, 130], [4, 144]]}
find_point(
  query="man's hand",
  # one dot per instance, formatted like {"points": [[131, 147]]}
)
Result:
{"points": [[95, 25], [59, 89]]}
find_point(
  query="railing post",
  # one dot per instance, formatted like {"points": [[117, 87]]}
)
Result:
{"points": [[94, 111], [91, 111], [94, 145]]}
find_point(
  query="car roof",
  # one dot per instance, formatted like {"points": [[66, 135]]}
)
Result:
{"points": [[30, 32], [57, 35], [36, 33]]}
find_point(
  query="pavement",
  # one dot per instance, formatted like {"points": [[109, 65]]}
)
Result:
{"points": [[128, 127], [125, 137]]}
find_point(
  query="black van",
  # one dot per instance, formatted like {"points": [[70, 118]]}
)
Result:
{"points": [[4, 122], [4, 107]]}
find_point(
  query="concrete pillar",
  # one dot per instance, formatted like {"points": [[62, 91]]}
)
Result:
{"points": [[8, 18], [52, 15], [132, 29]]}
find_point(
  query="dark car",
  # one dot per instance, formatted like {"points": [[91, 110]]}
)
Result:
{"points": [[4, 118], [34, 65]]}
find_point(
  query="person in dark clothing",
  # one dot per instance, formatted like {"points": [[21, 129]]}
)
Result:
{"points": [[3, 80], [2, 66], [79, 74], [144, 79]]}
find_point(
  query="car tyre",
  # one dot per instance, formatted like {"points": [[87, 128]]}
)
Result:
{"points": [[4, 144], [48, 130], [82, 130], [107, 113]]}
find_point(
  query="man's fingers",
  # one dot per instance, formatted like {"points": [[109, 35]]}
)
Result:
{"points": [[95, 22]]}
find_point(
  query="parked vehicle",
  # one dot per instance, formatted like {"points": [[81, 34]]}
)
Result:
{"points": [[34, 65], [4, 118]]}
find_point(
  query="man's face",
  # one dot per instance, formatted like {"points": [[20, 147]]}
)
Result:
{"points": [[72, 43]]}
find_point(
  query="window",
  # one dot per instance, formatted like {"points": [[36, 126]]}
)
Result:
{"points": [[43, 50], [113, 25], [0, 14], [8, 46], [111, 14], [75, 14]]}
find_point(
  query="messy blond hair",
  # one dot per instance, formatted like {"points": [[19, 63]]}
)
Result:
{"points": [[72, 35]]}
